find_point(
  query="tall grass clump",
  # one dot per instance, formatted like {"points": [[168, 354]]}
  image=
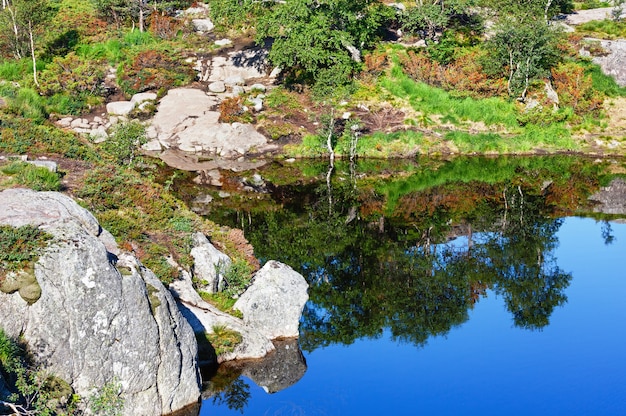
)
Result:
{"points": [[112, 51], [137, 38], [31, 176], [11, 70], [29, 104], [432, 100]]}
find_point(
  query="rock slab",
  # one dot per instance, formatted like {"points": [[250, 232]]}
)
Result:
{"points": [[93, 324], [185, 121]]}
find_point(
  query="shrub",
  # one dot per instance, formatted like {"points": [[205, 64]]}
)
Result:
{"points": [[153, 70], [73, 75], [125, 141], [232, 110], [237, 277], [20, 246], [575, 88], [107, 400]]}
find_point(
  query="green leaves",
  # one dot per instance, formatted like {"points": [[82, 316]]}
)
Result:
{"points": [[523, 52], [320, 41]]}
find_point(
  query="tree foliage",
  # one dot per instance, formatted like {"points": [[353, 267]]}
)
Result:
{"points": [[523, 52], [321, 41]]}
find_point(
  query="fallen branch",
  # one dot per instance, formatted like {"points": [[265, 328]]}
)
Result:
{"points": [[16, 409]]}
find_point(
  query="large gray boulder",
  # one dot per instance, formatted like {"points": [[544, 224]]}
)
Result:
{"points": [[614, 62], [274, 302], [209, 264], [101, 317]]}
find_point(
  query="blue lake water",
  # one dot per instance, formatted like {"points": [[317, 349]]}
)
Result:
{"points": [[486, 365]]}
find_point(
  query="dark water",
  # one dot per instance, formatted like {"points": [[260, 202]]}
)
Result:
{"points": [[473, 286]]}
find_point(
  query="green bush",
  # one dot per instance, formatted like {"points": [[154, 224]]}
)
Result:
{"points": [[20, 135], [107, 401], [75, 78], [236, 277], [125, 141]]}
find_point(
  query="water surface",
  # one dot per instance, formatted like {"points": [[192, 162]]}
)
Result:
{"points": [[463, 287]]}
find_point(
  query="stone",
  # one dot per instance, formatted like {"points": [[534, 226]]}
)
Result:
{"points": [[80, 123], [274, 302], [614, 63], [65, 122], [209, 264], [257, 104], [184, 121], [48, 164], [152, 146], [223, 42], [276, 72], [233, 80], [93, 324], [120, 108], [143, 97], [248, 64], [98, 135], [400, 7], [203, 317], [217, 87], [258, 87], [202, 25], [237, 90]]}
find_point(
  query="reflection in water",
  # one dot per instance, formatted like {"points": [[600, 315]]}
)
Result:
{"points": [[412, 252], [277, 371]]}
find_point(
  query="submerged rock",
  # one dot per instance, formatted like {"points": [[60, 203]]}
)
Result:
{"points": [[102, 317]]}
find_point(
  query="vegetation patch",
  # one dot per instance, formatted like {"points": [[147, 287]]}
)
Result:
{"points": [[223, 340], [31, 390], [28, 175], [221, 301]]}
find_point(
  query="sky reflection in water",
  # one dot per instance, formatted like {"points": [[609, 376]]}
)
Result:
{"points": [[486, 366]]}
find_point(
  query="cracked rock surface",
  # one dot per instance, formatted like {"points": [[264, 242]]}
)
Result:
{"points": [[102, 316]]}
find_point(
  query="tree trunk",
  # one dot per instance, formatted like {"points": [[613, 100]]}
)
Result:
{"points": [[32, 51], [18, 53], [141, 17], [545, 12]]}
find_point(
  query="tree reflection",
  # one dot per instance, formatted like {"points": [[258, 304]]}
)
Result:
{"points": [[414, 257], [235, 395]]}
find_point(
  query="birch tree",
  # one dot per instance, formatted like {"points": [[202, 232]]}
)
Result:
{"points": [[25, 19]]}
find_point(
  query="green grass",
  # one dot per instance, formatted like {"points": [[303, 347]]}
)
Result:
{"points": [[221, 301], [604, 83], [432, 100], [603, 29], [31, 176], [224, 340], [11, 70]]}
